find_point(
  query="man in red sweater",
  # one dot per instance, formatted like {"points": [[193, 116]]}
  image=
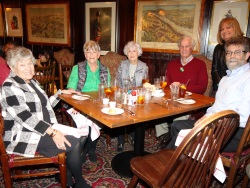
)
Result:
{"points": [[182, 70]]}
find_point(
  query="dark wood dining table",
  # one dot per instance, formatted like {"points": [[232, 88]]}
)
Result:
{"points": [[158, 107]]}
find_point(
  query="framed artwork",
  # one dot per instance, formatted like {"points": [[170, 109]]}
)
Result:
{"points": [[159, 24], [14, 23], [222, 9], [1, 22], [48, 24], [100, 22]]}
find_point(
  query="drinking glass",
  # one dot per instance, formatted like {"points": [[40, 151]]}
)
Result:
{"points": [[174, 91], [108, 90], [145, 79], [114, 85], [157, 83], [101, 91], [141, 96], [126, 84], [182, 90], [148, 95], [163, 82]]}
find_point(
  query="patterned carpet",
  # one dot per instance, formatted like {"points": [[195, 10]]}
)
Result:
{"points": [[99, 174]]}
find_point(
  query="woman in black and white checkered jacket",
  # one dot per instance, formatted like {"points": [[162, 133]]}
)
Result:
{"points": [[29, 117]]}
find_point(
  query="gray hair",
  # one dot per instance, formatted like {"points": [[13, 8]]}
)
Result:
{"points": [[184, 37], [132, 44], [17, 54], [91, 45]]}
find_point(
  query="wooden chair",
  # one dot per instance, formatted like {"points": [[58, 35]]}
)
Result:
{"points": [[64, 74], [13, 165], [236, 162], [193, 162], [112, 60], [46, 77]]}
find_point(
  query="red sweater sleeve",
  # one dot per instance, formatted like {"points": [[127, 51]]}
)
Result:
{"points": [[195, 70]]}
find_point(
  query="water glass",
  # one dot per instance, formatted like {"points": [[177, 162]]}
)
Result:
{"points": [[148, 95], [119, 97], [157, 83], [174, 91], [101, 91]]}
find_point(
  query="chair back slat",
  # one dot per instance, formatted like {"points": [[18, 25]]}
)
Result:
{"points": [[46, 77], [194, 160], [64, 74]]}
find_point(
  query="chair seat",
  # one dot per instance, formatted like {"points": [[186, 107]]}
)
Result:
{"points": [[226, 156], [153, 164], [18, 160]]}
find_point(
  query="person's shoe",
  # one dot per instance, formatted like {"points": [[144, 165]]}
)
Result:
{"points": [[120, 147], [162, 144], [163, 140]]}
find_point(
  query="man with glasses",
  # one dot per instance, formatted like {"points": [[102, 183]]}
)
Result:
{"points": [[232, 94]]}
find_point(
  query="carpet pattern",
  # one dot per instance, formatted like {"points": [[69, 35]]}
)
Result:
{"points": [[98, 174]]}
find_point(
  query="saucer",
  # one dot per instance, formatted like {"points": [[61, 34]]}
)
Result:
{"points": [[186, 101], [117, 111]]}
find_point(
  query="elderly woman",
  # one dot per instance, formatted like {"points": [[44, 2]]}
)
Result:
{"points": [[131, 69], [228, 28], [85, 77], [29, 119]]}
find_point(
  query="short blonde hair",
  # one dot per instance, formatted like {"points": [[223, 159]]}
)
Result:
{"points": [[16, 54], [130, 45], [233, 22], [91, 45]]}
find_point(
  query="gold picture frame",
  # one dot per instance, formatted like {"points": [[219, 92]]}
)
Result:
{"points": [[14, 23], [159, 24], [48, 24], [221, 9], [100, 22], [1, 22]]}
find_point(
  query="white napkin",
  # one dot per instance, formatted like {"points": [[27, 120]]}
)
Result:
{"points": [[67, 130], [83, 123], [219, 172]]}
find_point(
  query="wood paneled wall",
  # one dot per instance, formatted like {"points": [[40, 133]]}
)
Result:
{"points": [[157, 62]]}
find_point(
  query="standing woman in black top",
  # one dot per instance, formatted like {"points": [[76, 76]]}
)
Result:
{"points": [[228, 28]]}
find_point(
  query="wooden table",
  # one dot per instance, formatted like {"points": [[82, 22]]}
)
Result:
{"points": [[144, 113]]}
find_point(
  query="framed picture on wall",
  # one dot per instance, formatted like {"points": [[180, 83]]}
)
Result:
{"points": [[159, 24], [14, 23], [223, 9], [100, 22], [1, 22], [48, 24]]}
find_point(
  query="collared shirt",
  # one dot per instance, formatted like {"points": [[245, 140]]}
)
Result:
{"points": [[187, 60], [233, 94]]}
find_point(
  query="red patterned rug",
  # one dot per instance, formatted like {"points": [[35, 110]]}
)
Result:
{"points": [[99, 174]]}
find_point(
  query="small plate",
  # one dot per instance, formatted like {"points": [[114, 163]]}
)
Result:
{"points": [[186, 101], [188, 93], [117, 111], [79, 97]]}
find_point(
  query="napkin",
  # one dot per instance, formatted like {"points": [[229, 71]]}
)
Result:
{"points": [[66, 130], [83, 123], [219, 172]]}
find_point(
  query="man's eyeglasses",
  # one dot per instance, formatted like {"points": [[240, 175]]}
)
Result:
{"points": [[236, 53]]}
